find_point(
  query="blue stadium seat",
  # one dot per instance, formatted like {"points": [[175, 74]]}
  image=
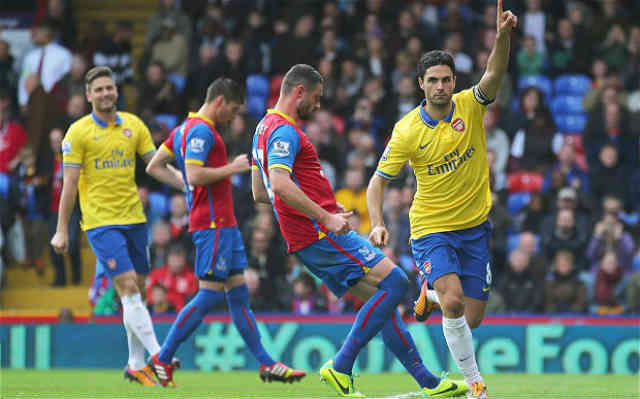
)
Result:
{"points": [[258, 86], [158, 205], [256, 106], [567, 105], [179, 81], [5, 185], [541, 82], [570, 123], [573, 85], [517, 201], [169, 120]]}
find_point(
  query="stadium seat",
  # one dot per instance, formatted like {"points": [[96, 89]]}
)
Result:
{"points": [[570, 123], [524, 182], [257, 85], [539, 81], [567, 105], [169, 120], [572, 85], [179, 81], [5, 184], [517, 201], [256, 107], [158, 204]]}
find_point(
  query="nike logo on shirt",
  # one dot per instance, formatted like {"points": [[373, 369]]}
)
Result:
{"points": [[422, 147]]}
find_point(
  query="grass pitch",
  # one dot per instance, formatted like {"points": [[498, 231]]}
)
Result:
{"points": [[246, 384]]}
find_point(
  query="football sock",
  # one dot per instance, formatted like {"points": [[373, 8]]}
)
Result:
{"points": [[432, 295], [245, 322], [187, 321], [458, 336], [136, 350], [136, 316], [371, 317], [397, 338]]}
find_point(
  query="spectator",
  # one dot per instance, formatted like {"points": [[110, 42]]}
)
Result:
{"points": [[538, 265], [54, 192], [403, 100], [505, 92], [567, 166], [566, 198], [305, 297], [534, 23], [519, 288], [564, 292], [260, 301], [12, 136], [464, 65], [354, 197], [201, 74], [61, 12], [606, 171], [565, 236], [160, 94], [73, 82], [497, 143], [614, 49], [115, 52], [232, 63], [7, 71], [396, 218], [632, 291], [160, 239], [609, 236], [179, 224], [352, 77], [170, 48], [608, 277], [530, 60], [365, 119], [295, 47], [175, 276], [76, 108], [168, 9], [159, 304], [568, 53]]}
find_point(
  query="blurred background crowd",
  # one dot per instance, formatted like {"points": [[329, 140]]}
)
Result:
{"points": [[563, 135]]}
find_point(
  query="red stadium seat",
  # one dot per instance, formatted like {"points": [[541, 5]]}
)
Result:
{"points": [[529, 182]]}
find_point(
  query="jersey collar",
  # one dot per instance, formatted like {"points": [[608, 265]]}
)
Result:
{"points": [[200, 116], [102, 123], [282, 114], [432, 123]]}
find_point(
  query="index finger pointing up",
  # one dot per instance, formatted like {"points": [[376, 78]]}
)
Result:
{"points": [[499, 8]]}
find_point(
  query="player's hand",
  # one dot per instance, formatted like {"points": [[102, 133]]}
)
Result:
{"points": [[60, 242], [341, 208], [338, 223], [241, 164], [379, 236], [506, 20]]}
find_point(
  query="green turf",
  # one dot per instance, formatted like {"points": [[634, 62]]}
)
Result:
{"points": [[242, 384]]}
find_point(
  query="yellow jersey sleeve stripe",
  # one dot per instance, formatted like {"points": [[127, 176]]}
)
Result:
{"points": [[255, 167], [281, 166], [385, 175], [72, 164], [166, 149], [194, 161]]}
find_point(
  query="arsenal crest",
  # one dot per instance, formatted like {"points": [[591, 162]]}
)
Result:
{"points": [[458, 125], [127, 133], [427, 267]]}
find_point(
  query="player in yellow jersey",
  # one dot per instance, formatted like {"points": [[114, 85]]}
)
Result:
{"points": [[444, 141], [99, 158]]}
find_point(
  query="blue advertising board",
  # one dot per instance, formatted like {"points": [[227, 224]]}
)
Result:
{"points": [[513, 348]]}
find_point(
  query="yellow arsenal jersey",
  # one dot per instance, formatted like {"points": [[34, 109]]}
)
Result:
{"points": [[449, 160]]}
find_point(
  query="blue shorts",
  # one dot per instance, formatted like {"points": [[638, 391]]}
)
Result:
{"points": [[120, 248], [463, 252], [340, 261], [219, 253]]}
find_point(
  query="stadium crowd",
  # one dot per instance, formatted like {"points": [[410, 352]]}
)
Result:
{"points": [[563, 136]]}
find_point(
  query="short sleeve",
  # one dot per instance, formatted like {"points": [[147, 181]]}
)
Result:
{"points": [[167, 145], [393, 158], [145, 143], [199, 142], [282, 147], [73, 148]]}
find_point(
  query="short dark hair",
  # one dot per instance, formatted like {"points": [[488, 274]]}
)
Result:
{"points": [[300, 74], [228, 88], [95, 73], [177, 249], [433, 58]]}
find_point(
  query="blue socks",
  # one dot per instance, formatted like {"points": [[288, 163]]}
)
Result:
{"points": [[399, 341], [187, 321], [242, 316], [371, 318]]}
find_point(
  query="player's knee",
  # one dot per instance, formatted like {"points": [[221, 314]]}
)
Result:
{"points": [[127, 286], [474, 321], [452, 305], [396, 284]]}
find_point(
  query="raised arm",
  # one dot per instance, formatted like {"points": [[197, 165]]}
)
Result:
{"points": [[499, 57]]}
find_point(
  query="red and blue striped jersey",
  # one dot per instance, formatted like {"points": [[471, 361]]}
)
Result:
{"points": [[279, 143], [197, 141]]}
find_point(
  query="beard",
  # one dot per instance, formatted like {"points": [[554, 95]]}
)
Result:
{"points": [[106, 106], [305, 111], [440, 101]]}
